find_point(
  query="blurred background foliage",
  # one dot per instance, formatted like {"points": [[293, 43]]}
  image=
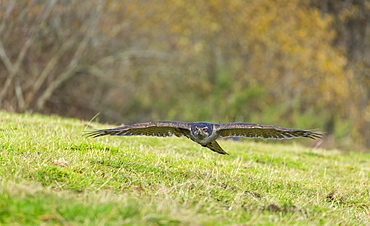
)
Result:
{"points": [[292, 63]]}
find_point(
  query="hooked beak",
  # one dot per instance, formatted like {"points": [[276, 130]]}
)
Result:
{"points": [[199, 132]]}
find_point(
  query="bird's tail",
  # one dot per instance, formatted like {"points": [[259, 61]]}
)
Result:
{"points": [[214, 146]]}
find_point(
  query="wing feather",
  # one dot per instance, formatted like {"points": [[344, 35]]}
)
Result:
{"points": [[159, 129], [262, 131]]}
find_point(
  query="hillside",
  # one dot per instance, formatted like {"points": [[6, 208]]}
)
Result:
{"points": [[52, 174]]}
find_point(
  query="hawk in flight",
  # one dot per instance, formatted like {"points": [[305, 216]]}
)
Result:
{"points": [[205, 133]]}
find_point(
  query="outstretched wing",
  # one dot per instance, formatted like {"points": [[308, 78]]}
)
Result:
{"points": [[159, 129], [214, 146], [262, 131]]}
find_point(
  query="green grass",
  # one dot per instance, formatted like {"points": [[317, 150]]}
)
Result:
{"points": [[171, 181]]}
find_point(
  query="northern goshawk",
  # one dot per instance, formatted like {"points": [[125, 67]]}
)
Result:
{"points": [[205, 133]]}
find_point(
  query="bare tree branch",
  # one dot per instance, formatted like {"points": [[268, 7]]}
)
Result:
{"points": [[73, 65], [48, 68], [12, 71], [6, 15]]}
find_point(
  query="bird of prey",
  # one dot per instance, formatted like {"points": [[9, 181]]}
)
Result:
{"points": [[205, 133]]}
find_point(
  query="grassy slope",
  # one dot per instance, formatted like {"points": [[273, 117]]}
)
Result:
{"points": [[148, 180]]}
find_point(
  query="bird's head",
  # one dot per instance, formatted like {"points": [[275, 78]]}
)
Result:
{"points": [[201, 131]]}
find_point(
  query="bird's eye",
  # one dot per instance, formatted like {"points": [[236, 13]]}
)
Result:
{"points": [[204, 129]]}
